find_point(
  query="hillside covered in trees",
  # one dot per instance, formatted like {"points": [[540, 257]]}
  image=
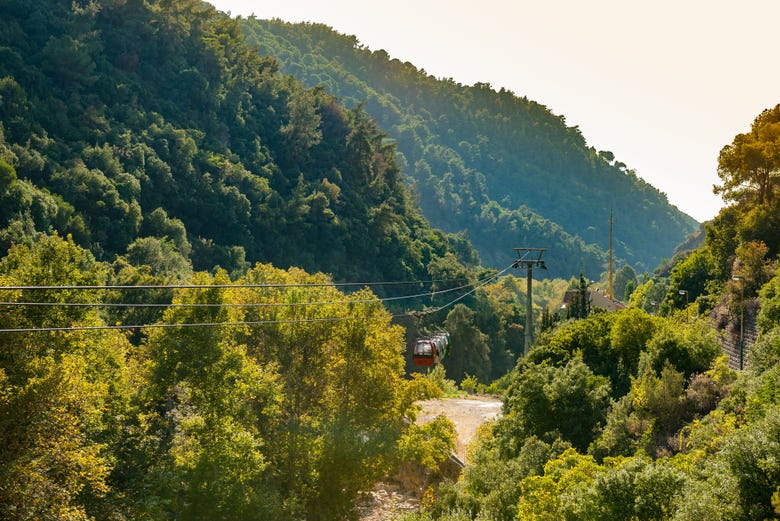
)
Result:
{"points": [[497, 166], [152, 135], [155, 175], [150, 128], [638, 414], [176, 219]]}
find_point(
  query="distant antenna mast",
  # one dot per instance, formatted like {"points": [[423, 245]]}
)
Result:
{"points": [[611, 292], [529, 257]]}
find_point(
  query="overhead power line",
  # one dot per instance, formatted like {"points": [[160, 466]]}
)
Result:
{"points": [[220, 286], [227, 304], [166, 325], [475, 286]]}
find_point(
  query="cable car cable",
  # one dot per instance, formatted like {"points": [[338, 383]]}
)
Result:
{"points": [[477, 285], [230, 304], [225, 304], [217, 286]]}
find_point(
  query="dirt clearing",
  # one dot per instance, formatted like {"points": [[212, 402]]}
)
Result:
{"points": [[466, 413], [389, 501]]}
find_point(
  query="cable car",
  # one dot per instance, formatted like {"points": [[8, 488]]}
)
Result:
{"points": [[424, 353], [431, 350]]}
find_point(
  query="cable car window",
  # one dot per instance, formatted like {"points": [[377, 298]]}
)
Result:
{"points": [[424, 348]]}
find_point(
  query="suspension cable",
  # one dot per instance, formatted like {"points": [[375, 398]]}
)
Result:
{"points": [[217, 286], [226, 304], [475, 285]]}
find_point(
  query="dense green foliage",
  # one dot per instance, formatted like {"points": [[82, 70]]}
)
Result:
{"points": [[637, 414], [154, 136], [689, 438], [150, 127], [274, 396], [500, 167], [163, 148], [749, 165]]}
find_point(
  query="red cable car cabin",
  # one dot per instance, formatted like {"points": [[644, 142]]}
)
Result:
{"points": [[431, 350], [424, 352]]}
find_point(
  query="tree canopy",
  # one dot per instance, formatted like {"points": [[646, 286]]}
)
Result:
{"points": [[274, 396], [126, 123], [487, 161], [750, 166], [639, 413], [175, 216]]}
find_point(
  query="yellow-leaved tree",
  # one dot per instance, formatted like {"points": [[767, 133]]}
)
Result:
{"points": [[287, 405], [63, 393]]}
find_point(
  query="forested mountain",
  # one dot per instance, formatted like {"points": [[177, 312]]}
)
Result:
{"points": [[134, 387], [140, 141], [639, 414], [502, 168], [150, 128]]}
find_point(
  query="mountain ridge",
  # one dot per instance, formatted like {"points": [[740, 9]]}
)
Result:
{"points": [[482, 159], [152, 128]]}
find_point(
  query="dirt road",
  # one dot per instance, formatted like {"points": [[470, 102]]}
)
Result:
{"points": [[388, 501], [466, 413]]}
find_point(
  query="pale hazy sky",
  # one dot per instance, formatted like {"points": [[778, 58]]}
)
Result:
{"points": [[664, 85]]}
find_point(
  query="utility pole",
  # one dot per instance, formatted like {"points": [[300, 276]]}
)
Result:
{"points": [[611, 287], [528, 259]]}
